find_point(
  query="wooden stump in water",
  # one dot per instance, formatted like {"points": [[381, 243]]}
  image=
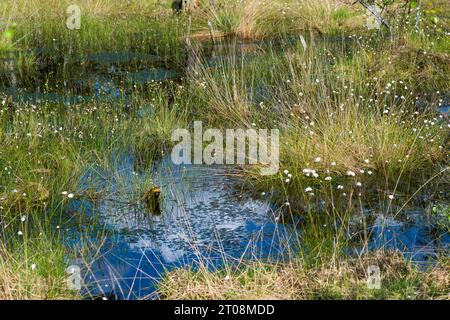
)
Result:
{"points": [[152, 199]]}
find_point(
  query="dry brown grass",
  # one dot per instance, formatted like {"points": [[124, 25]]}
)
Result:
{"points": [[20, 281], [253, 19], [48, 8], [345, 280], [322, 15], [15, 286]]}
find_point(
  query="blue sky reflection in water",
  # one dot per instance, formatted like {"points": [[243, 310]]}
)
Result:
{"points": [[204, 218]]}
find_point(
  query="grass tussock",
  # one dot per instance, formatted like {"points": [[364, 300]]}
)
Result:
{"points": [[342, 114], [34, 270], [254, 19], [345, 280]]}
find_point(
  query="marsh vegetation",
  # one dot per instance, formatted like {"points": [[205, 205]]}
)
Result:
{"points": [[86, 118]]}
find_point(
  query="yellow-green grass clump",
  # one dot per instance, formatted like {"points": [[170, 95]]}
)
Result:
{"points": [[339, 117], [34, 268], [346, 279]]}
